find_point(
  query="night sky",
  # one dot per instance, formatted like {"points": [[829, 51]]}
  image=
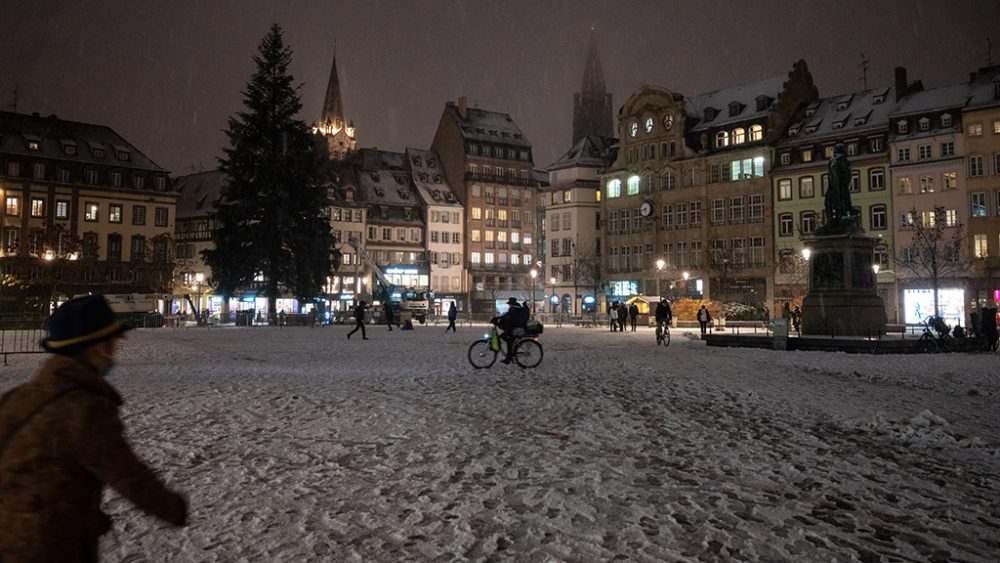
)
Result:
{"points": [[167, 75]]}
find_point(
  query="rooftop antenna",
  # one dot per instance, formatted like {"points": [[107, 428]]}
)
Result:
{"points": [[13, 105], [864, 70], [988, 55]]}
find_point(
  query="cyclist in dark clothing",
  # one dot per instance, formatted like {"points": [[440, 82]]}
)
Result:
{"points": [[516, 317], [663, 313]]}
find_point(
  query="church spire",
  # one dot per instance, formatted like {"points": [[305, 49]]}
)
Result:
{"points": [[333, 105], [592, 105], [333, 125]]}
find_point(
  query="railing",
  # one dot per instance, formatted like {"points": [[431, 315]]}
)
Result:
{"points": [[22, 334]]}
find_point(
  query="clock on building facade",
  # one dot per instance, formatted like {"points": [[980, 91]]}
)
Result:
{"points": [[633, 129], [646, 209], [668, 121], [649, 125]]}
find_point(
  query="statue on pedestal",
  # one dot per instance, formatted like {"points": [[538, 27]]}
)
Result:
{"points": [[839, 216]]}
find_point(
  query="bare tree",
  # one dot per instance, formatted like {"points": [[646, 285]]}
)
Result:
{"points": [[588, 269], [936, 249]]}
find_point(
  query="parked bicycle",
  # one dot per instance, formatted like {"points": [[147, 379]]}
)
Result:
{"points": [[663, 334], [935, 337], [527, 351]]}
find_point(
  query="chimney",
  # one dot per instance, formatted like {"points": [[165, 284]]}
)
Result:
{"points": [[900, 82], [463, 107]]}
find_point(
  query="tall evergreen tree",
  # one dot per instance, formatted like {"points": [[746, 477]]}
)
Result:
{"points": [[269, 218]]}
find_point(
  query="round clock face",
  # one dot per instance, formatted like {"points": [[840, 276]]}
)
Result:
{"points": [[649, 124], [668, 121], [646, 209], [633, 129]]}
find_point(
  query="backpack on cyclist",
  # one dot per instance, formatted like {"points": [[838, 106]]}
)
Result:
{"points": [[533, 328]]}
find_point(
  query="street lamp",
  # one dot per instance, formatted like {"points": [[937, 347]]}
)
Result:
{"points": [[199, 278], [534, 274], [552, 280], [659, 271], [806, 252]]}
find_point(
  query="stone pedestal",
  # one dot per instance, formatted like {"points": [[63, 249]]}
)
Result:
{"points": [[843, 297]]}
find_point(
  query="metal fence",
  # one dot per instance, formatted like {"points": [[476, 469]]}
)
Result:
{"points": [[21, 334]]}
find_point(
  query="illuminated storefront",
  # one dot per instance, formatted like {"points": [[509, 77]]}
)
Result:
{"points": [[919, 304]]}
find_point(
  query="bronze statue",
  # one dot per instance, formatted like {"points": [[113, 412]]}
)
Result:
{"points": [[838, 213]]}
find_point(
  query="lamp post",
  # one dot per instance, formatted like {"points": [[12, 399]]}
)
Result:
{"points": [[552, 280], [659, 272], [199, 278], [534, 274], [725, 280]]}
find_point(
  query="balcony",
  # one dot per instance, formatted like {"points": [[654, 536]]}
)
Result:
{"points": [[502, 222]]}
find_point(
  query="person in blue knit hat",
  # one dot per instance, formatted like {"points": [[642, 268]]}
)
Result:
{"points": [[61, 442]]}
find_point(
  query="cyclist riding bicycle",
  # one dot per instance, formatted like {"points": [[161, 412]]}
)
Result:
{"points": [[515, 318], [663, 314]]}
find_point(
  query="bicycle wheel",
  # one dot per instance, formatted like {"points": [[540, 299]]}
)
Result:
{"points": [[481, 355], [659, 336], [528, 353], [665, 337], [928, 345]]}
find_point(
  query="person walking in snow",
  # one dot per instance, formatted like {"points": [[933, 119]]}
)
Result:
{"points": [[389, 316], [452, 316], [797, 319], [622, 316], [62, 441], [613, 316], [633, 314], [704, 317], [359, 320]]}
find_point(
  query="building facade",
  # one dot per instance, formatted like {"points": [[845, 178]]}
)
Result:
{"points": [[926, 150], [574, 274], [858, 120], [84, 210], [445, 220], [981, 132], [487, 161], [691, 186]]}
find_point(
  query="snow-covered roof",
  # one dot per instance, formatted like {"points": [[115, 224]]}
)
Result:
{"points": [[842, 115], [428, 177], [591, 151], [934, 99], [388, 188], [53, 135], [197, 193], [488, 126], [985, 88], [745, 97]]}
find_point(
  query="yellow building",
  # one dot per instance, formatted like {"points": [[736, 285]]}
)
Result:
{"points": [[84, 210]]}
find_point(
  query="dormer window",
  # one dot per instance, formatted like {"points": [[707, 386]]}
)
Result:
{"points": [[840, 124], [735, 108], [763, 102], [349, 194], [437, 178], [403, 194], [416, 161], [786, 158], [811, 109], [710, 113], [902, 127], [721, 139], [946, 120], [924, 124], [33, 146], [807, 155], [423, 176], [811, 128], [69, 149], [123, 155], [793, 131], [739, 136], [431, 163], [842, 106], [861, 119], [756, 133]]}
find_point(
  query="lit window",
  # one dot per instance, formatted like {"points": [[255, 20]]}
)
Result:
{"points": [[12, 206], [115, 213], [979, 204], [806, 187], [950, 217], [976, 130], [62, 209], [614, 188], [633, 185], [905, 186], [756, 133], [739, 136], [786, 158], [721, 139], [980, 247], [926, 184], [950, 181], [90, 211], [784, 189], [807, 155], [37, 207]]}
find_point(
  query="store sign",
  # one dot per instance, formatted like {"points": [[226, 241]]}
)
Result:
{"points": [[919, 305], [589, 300], [402, 271], [624, 288], [554, 299]]}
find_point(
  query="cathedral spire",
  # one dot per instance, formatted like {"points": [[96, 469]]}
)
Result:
{"points": [[592, 105], [593, 76]]}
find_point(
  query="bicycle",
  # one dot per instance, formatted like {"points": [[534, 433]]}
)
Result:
{"points": [[663, 334], [932, 343], [527, 353]]}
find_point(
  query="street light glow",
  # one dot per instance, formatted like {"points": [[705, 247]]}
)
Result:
{"points": [[534, 273], [806, 252], [660, 264], [875, 267], [686, 276]]}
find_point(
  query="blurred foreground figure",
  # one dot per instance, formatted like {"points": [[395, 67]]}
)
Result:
{"points": [[61, 442]]}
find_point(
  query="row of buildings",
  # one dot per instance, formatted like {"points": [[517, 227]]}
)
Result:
{"points": [[709, 195]]}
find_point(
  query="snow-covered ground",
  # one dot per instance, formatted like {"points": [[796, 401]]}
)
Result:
{"points": [[297, 444]]}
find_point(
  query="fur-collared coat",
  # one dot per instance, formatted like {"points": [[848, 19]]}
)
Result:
{"points": [[61, 441]]}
